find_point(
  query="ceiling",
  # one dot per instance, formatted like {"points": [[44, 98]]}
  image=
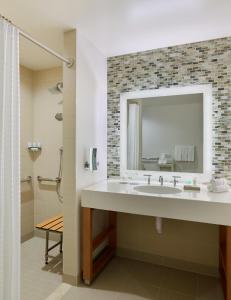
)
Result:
{"points": [[116, 26]]}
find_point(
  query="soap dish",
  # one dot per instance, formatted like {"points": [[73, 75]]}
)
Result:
{"points": [[192, 188]]}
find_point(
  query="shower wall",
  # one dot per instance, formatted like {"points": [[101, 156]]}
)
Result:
{"points": [[27, 195], [38, 124], [48, 131]]}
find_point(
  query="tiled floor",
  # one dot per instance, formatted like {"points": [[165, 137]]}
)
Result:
{"points": [[122, 279], [38, 281], [125, 279]]}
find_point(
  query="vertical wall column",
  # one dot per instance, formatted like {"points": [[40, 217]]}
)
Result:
{"points": [[84, 113], [70, 206]]}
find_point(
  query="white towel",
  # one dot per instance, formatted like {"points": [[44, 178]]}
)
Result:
{"points": [[218, 185], [165, 159], [219, 181], [178, 153], [190, 153], [218, 189], [185, 153]]}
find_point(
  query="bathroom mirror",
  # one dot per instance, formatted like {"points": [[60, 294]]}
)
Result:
{"points": [[167, 130]]}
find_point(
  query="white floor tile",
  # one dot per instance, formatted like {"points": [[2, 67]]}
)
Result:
{"points": [[38, 280], [122, 279], [209, 288]]}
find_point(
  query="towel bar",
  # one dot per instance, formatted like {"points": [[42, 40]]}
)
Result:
{"points": [[57, 179], [27, 179]]}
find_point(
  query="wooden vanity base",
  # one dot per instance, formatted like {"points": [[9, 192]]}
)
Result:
{"points": [[92, 266], [225, 260]]}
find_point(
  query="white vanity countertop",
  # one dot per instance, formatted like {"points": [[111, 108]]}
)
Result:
{"points": [[200, 206]]}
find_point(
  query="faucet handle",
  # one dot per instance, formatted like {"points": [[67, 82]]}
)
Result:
{"points": [[161, 180], [175, 177], [149, 177]]}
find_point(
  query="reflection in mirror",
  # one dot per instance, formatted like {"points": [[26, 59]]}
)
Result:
{"points": [[165, 133]]}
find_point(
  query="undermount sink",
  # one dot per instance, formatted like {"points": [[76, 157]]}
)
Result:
{"points": [[157, 189]]}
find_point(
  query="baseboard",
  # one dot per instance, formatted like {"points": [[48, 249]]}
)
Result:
{"points": [[72, 280], [27, 237], [168, 262]]}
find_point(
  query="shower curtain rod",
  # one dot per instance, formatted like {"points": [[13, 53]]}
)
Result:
{"points": [[68, 61]]}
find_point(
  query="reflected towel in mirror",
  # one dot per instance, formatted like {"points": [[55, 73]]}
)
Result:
{"points": [[185, 153]]}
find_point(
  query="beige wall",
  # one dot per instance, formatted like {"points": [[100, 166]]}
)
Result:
{"points": [[71, 242], [186, 245], [38, 123], [48, 131], [27, 197]]}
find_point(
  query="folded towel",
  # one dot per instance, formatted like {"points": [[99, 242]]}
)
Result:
{"points": [[162, 161], [218, 185], [190, 153], [163, 155], [178, 153], [165, 159], [219, 181], [184, 153], [218, 189]]}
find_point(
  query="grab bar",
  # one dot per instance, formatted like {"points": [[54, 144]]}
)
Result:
{"points": [[57, 179], [27, 179]]}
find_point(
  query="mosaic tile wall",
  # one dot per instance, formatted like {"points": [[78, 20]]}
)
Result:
{"points": [[207, 62]]}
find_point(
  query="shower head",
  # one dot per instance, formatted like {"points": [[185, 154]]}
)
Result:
{"points": [[57, 89], [59, 116]]}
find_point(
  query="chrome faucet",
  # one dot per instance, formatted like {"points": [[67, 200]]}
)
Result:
{"points": [[175, 181], [161, 180], [149, 178]]}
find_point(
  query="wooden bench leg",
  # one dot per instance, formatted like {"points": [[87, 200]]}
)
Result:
{"points": [[61, 243], [47, 247], [87, 245]]}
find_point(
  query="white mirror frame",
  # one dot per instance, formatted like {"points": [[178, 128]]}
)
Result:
{"points": [[206, 90]]}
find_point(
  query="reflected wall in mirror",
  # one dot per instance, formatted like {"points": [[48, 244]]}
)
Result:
{"points": [[165, 133]]}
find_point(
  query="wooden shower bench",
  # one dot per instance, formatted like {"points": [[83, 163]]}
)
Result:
{"points": [[54, 224]]}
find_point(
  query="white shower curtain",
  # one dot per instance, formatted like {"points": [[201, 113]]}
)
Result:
{"points": [[9, 163], [133, 157]]}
